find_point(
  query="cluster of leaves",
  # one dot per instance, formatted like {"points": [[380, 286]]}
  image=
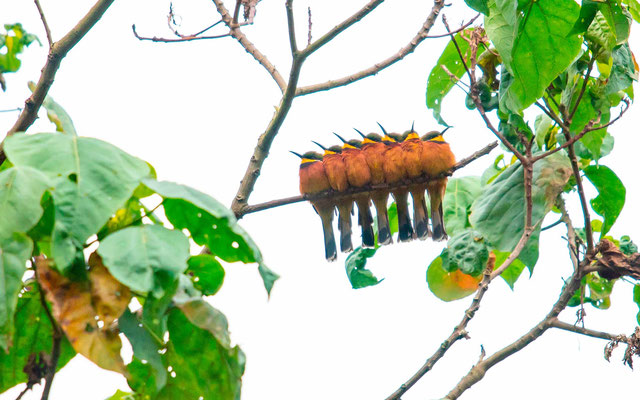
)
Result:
{"points": [[12, 43], [75, 229]]}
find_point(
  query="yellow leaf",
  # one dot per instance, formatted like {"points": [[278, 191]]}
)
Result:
{"points": [[74, 311], [110, 297]]}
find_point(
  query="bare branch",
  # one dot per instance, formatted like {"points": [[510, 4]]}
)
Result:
{"points": [[572, 237], [236, 33], [296, 199], [182, 38], [555, 323], [44, 22], [458, 333], [309, 37], [291, 27], [583, 198], [57, 52], [582, 90], [373, 70]]}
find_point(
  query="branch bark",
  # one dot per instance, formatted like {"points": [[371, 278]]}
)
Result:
{"points": [[57, 52], [555, 323]]}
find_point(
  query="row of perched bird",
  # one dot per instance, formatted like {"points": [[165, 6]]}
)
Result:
{"points": [[378, 159]]}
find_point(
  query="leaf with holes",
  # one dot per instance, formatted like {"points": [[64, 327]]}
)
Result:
{"points": [[206, 272], [612, 194], [468, 250], [449, 286], [91, 179], [142, 256], [211, 224], [109, 297]]}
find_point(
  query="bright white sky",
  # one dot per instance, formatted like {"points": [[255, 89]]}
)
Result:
{"points": [[195, 110]]}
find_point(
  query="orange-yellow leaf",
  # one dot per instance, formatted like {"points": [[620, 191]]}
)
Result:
{"points": [[74, 311], [110, 297]]}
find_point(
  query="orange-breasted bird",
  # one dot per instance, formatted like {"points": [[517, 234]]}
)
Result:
{"points": [[437, 158], [313, 179], [412, 148], [394, 171], [359, 175], [336, 171], [374, 152]]}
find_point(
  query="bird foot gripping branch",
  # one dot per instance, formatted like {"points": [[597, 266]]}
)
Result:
{"points": [[368, 170]]}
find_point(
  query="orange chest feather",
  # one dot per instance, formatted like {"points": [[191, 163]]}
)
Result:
{"points": [[336, 171], [358, 172], [375, 154], [436, 158], [412, 153], [393, 166], [313, 178]]}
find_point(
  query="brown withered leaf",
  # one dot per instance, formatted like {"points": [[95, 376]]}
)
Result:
{"points": [[613, 264], [73, 309], [110, 297]]}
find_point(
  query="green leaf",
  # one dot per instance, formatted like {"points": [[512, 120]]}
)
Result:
{"points": [[499, 213], [617, 18], [14, 253], [32, 337], [539, 49], [206, 273], [154, 312], [211, 224], [120, 395], [392, 212], [460, 194], [440, 82], [148, 373], [612, 193], [201, 366], [91, 178], [358, 275], [14, 40], [501, 27], [449, 286], [513, 272], [56, 114], [478, 5], [601, 37], [627, 246], [587, 14], [204, 316], [468, 251], [21, 189], [636, 299], [623, 71], [634, 8], [136, 255]]}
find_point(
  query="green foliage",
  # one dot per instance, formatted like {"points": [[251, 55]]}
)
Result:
{"points": [[460, 194], [469, 252], [513, 272], [12, 43], [594, 290], [636, 299], [206, 273], [449, 285], [627, 246], [358, 275], [612, 193], [14, 253], [32, 337]]}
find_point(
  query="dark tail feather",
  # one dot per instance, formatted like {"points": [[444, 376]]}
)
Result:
{"points": [[439, 234], [405, 231], [365, 219], [344, 225], [330, 252], [420, 219], [384, 232]]}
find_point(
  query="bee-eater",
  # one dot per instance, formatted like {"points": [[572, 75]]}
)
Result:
{"points": [[359, 175], [313, 179], [394, 171], [437, 158], [412, 148], [336, 171], [374, 152]]}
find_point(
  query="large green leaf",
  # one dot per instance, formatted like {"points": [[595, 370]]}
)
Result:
{"points": [[440, 82], [611, 196], [478, 5], [92, 179], [206, 272], [513, 272], [468, 251], [535, 48], [14, 253], [32, 338], [499, 213], [358, 275], [623, 71], [460, 194], [618, 19], [137, 255], [501, 27], [148, 373], [201, 367], [21, 189], [211, 224]]}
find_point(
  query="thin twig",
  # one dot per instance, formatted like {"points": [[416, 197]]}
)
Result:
{"points": [[26, 389], [459, 332], [583, 198], [309, 37], [553, 225], [11, 110], [291, 27], [178, 40], [236, 33], [572, 237], [555, 323], [296, 199], [44, 22], [57, 52], [582, 91], [374, 69]]}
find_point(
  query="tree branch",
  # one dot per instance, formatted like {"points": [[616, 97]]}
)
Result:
{"points": [[44, 22], [458, 333], [572, 237], [478, 371], [57, 52], [176, 40], [296, 199], [555, 323], [373, 70], [236, 33], [291, 27]]}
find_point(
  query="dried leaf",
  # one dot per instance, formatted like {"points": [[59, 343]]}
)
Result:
{"points": [[74, 311], [110, 297]]}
